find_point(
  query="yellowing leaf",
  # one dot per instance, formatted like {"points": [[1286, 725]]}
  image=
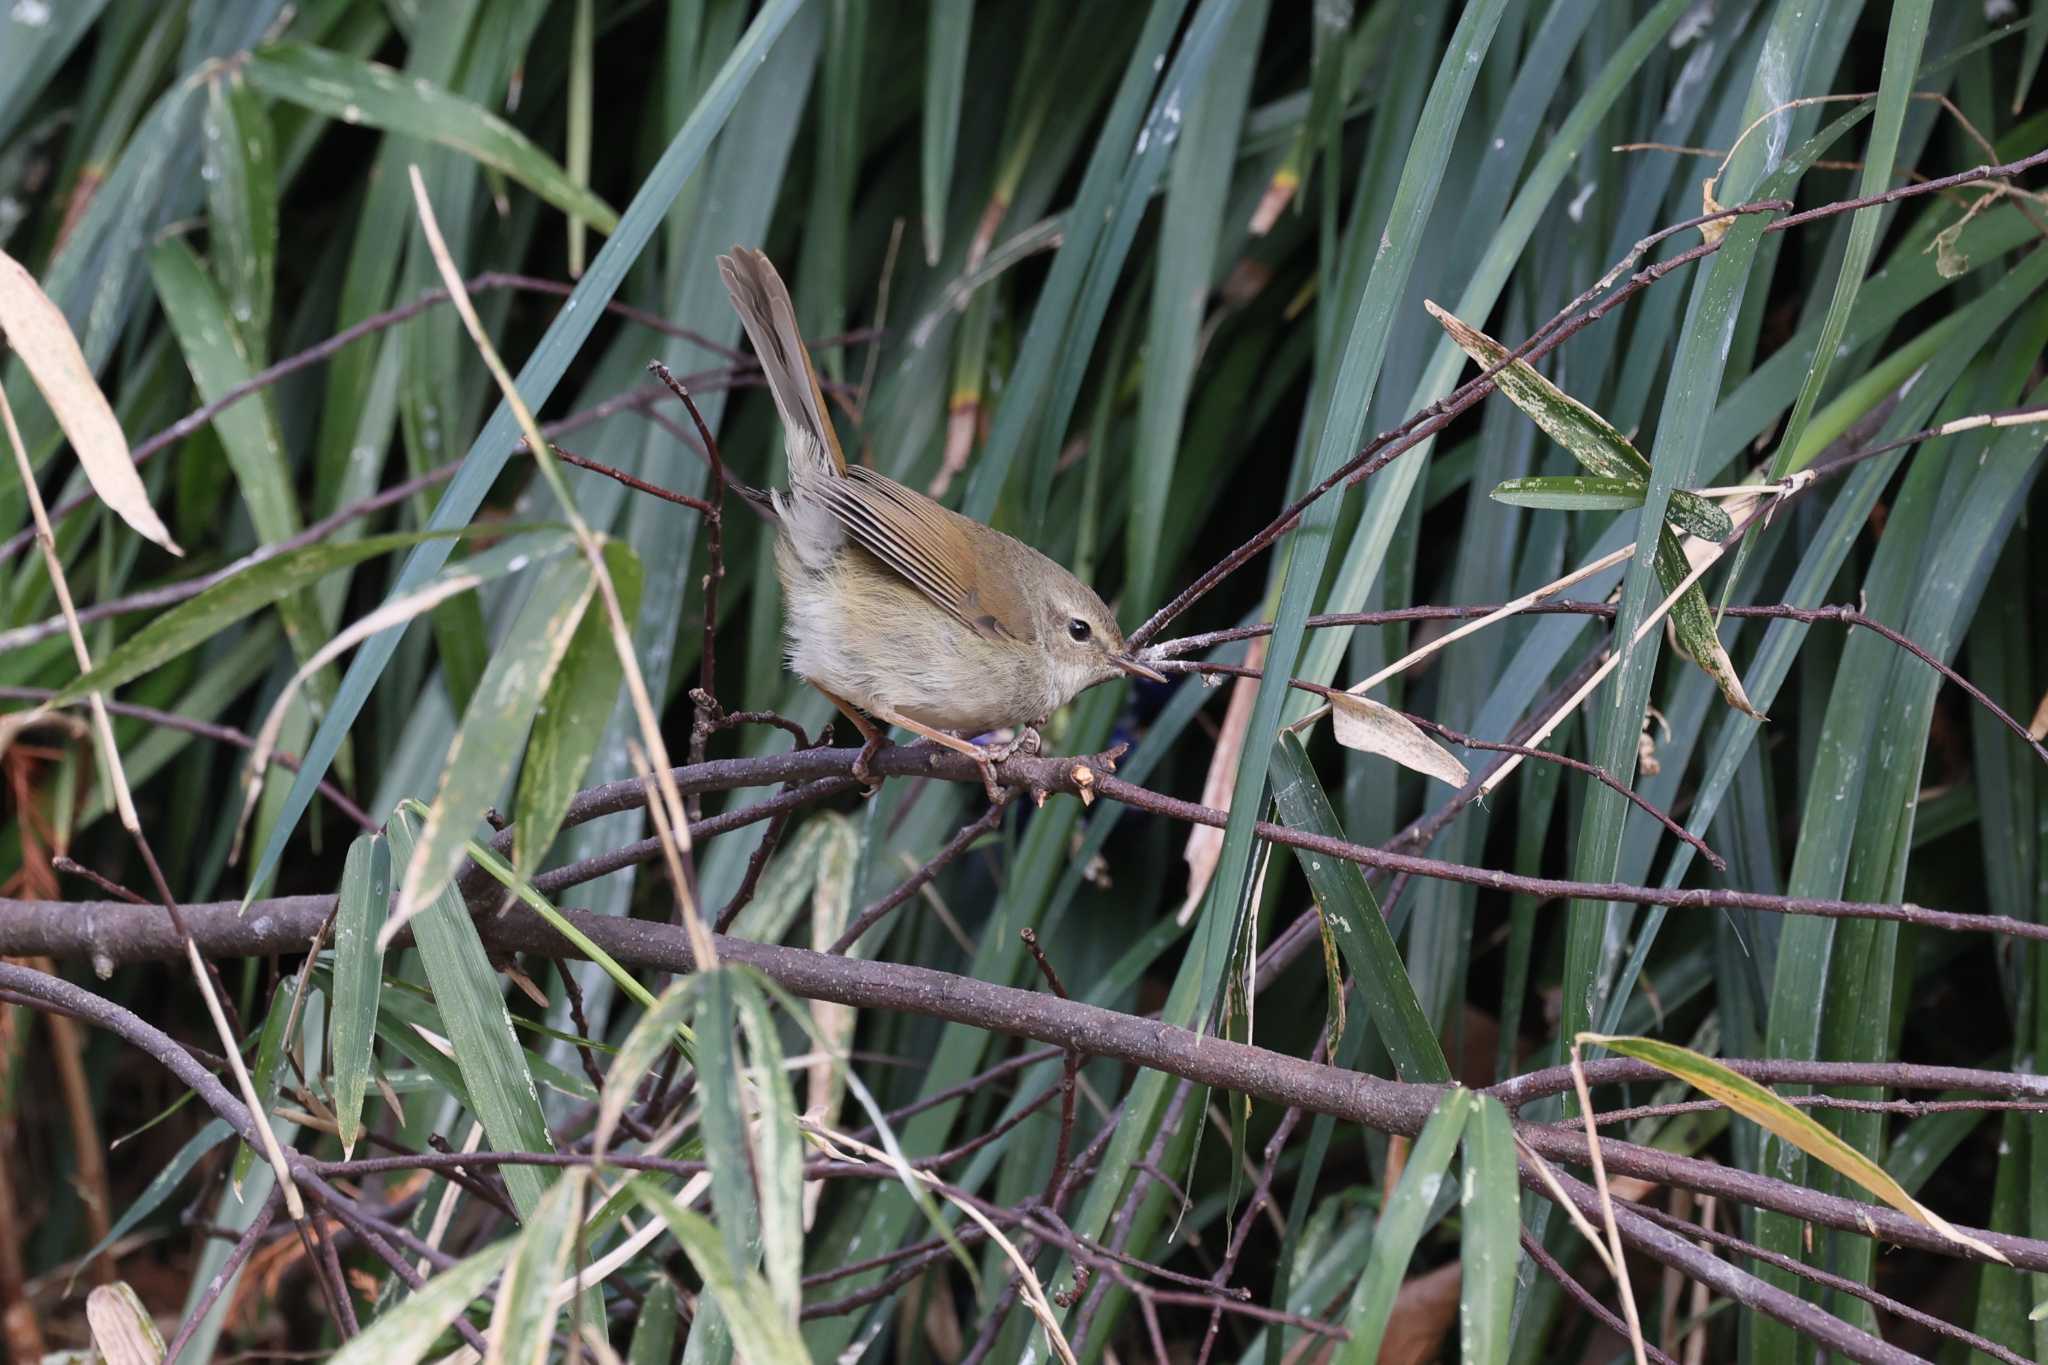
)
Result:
{"points": [[1789, 1123], [1712, 232], [36, 329], [1374, 728]]}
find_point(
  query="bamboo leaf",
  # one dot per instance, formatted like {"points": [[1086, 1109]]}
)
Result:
{"points": [[1692, 621], [523, 1323], [658, 1028], [1570, 493], [270, 1045], [123, 1332], [1590, 438]]}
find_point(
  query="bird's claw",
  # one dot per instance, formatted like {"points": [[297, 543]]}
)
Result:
{"points": [[1025, 741], [870, 781], [986, 760]]}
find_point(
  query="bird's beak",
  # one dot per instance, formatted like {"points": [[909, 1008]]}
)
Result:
{"points": [[1136, 669]]}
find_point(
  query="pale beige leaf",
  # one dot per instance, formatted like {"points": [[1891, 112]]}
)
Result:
{"points": [[36, 329], [122, 1330], [1371, 727], [1205, 844]]}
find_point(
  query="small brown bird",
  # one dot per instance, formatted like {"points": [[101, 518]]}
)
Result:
{"points": [[896, 606]]}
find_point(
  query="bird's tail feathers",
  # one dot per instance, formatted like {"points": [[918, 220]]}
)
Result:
{"points": [[762, 301]]}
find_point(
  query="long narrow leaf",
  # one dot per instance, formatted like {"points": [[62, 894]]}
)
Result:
{"points": [[472, 1010], [358, 976], [356, 91], [536, 380], [1401, 1226], [1789, 1122], [480, 761], [1352, 913]]}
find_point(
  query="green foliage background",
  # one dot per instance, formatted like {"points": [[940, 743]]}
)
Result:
{"points": [[1048, 212]]}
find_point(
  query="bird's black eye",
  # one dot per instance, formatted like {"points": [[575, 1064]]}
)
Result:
{"points": [[1078, 631]]}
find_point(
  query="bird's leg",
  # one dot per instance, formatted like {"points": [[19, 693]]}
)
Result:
{"points": [[983, 758], [872, 739]]}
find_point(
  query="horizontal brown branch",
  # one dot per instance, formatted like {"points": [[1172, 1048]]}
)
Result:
{"points": [[287, 925]]}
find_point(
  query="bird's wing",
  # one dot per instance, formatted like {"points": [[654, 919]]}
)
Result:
{"points": [[935, 550]]}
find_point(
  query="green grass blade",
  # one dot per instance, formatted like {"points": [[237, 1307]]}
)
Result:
{"points": [[362, 92], [192, 623], [1031, 377], [582, 82], [1353, 914], [473, 1017], [1190, 236], [1903, 44], [1402, 1223], [951, 23], [1489, 1203], [241, 192], [161, 1185], [248, 430], [1357, 375], [494, 729], [743, 1296], [32, 53], [2030, 56], [358, 977], [572, 717], [1131, 197], [536, 380], [1482, 291], [407, 1332], [1697, 370], [524, 1322], [654, 1326], [728, 1148], [778, 1150]]}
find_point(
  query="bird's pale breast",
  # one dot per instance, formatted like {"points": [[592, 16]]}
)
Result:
{"points": [[857, 629]]}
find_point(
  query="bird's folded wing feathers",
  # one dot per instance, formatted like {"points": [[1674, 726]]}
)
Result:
{"points": [[932, 548]]}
